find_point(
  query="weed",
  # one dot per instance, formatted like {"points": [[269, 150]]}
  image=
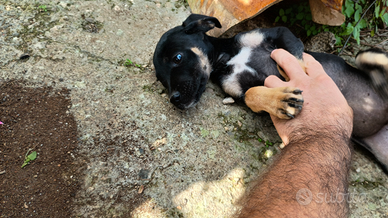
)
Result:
{"points": [[268, 143], [129, 63], [148, 88], [204, 132], [181, 3], [42, 8], [352, 10], [29, 157], [300, 15]]}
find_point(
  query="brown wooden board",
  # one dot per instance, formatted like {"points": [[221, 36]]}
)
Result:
{"points": [[231, 12]]}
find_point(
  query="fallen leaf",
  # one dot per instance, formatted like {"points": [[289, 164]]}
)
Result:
{"points": [[158, 143], [141, 189]]}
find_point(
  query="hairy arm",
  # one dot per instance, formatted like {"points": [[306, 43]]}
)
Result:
{"points": [[309, 178]]}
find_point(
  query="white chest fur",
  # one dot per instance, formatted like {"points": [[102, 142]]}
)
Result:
{"points": [[238, 63]]}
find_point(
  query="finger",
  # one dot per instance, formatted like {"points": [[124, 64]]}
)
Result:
{"points": [[313, 67], [289, 63], [281, 128], [273, 82]]}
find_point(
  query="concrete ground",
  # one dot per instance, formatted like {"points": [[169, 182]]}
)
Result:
{"points": [[144, 156]]}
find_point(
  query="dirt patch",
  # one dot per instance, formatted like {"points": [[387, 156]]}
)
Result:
{"points": [[37, 119]]}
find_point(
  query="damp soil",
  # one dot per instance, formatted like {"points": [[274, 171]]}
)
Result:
{"points": [[37, 119]]}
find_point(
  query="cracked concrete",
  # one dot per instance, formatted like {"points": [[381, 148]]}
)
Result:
{"points": [[144, 156]]}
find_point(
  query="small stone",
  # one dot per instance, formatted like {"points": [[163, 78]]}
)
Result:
{"points": [[90, 20], [63, 4], [228, 100], [372, 206], [39, 45], [143, 174], [141, 151], [117, 8], [15, 39], [120, 32], [268, 153], [64, 18]]}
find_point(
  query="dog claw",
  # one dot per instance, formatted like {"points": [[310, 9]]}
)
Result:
{"points": [[297, 91], [291, 105], [290, 115], [296, 100], [299, 107]]}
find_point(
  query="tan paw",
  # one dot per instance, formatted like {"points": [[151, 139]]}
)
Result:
{"points": [[283, 102], [290, 103]]}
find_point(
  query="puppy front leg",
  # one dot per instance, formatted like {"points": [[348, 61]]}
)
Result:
{"points": [[283, 102]]}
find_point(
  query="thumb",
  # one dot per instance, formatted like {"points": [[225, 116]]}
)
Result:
{"points": [[282, 129], [273, 82]]}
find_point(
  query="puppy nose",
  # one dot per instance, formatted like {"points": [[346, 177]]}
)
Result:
{"points": [[175, 97]]}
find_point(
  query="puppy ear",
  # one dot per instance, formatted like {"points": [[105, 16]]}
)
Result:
{"points": [[200, 23]]}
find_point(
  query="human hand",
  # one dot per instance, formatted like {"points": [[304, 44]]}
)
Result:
{"points": [[325, 109]]}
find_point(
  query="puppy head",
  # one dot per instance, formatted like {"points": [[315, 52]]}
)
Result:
{"points": [[182, 61]]}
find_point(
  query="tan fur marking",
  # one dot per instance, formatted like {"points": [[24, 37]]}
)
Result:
{"points": [[204, 61], [272, 100], [373, 58]]}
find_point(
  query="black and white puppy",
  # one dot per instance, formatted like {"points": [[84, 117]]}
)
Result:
{"points": [[185, 58]]}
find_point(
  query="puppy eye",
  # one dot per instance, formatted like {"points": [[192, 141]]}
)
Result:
{"points": [[177, 59]]}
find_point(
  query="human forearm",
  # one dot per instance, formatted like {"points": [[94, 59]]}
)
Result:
{"points": [[316, 165], [309, 178]]}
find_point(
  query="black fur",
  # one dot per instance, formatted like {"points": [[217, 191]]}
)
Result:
{"points": [[185, 79]]}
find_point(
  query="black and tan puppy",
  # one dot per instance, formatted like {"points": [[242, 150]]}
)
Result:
{"points": [[185, 58]]}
